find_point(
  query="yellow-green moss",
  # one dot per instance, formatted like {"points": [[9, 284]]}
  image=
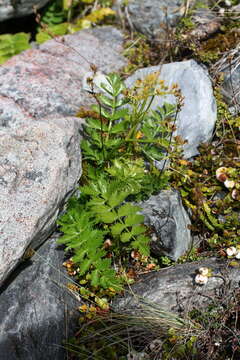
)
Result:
{"points": [[213, 48], [138, 52]]}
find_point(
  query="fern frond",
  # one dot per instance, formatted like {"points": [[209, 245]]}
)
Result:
{"points": [[142, 244], [128, 209], [11, 45]]}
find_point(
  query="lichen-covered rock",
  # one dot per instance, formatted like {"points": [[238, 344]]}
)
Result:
{"points": [[14, 9], [196, 120], [40, 159], [37, 310], [174, 289], [168, 219]]}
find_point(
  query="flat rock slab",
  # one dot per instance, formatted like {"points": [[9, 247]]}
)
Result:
{"points": [[37, 310], [196, 120], [174, 290], [40, 158]]}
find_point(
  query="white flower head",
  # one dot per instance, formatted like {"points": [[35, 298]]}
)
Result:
{"points": [[237, 255], [228, 3], [201, 279], [92, 82], [203, 271], [229, 184], [231, 251], [154, 237]]}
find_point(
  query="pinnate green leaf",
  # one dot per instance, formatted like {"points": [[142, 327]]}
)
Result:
{"points": [[134, 219], [106, 100], [96, 124], [107, 217], [117, 228], [138, 229], [115, 199], [125, 237], [142, 244], [85, 265], [118, 115], [95, 277], [127, 209]]}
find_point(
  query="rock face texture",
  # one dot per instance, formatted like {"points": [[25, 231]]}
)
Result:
{"points": [[37, 308], [148, 16], [40, 163], [174, 289], [231, 84], [39, 167], [167, 217], [48, 81], [196, 120], [13, 9]]}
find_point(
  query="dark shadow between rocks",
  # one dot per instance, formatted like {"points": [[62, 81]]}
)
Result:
{"points": [[23, 24], [21, 267]]}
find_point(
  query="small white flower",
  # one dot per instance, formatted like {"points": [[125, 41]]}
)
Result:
{"points": [[231, 251], [237, 256], [201, 279], [228, 3], [203, 271], [229, 184], [221, 11], [154, 237], [92, 82]]}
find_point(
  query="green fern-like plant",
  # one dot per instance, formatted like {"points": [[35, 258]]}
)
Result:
{"points": [[11, 45], [53, 13], [121, 141], [82, 236], [124, 224], [125, 124]]}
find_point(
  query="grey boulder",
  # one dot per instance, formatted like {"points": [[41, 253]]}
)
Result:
{"points": [[166, 216], [40, 158], [150, 16], [196, 120], [14, 9], [230, 67], [37, 310], [39, 167]]}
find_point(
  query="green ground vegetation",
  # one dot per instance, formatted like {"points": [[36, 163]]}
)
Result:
{"points": [[106, 242]]}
